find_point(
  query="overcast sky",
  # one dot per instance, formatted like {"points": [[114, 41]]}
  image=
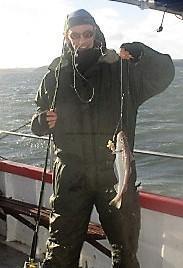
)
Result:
{"points": [[31, 30]]}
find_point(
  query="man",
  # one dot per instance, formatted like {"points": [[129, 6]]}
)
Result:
{"points": [[85, 86]]}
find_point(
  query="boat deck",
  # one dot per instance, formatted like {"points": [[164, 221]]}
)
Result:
{"points": [[11, 257]]}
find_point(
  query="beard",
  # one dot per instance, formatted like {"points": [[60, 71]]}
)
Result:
{"points": [[86, 58]]}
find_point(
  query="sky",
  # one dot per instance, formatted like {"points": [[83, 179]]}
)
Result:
{"points": [[32, 30]]}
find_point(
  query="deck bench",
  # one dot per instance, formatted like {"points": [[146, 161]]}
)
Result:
{"points": [[19, 209]]}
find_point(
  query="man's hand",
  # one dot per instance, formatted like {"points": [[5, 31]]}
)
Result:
{"points": [[131, 51], [124, 54], [51, 118]]}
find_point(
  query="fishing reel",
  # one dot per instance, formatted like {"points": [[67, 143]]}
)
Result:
{"points": [[32, 264]]}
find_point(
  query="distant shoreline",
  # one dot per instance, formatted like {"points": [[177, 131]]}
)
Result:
{"points": [[177, 63], [21, 70]]}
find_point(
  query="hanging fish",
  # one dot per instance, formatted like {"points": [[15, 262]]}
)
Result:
{"points": [[122, 166]]}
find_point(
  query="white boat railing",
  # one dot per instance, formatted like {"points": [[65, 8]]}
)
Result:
{"points": [[7, 133], [25, 135], [161, 154], [137, 151]]}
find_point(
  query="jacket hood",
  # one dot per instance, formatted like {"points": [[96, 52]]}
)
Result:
{"points": [[79, 17]]}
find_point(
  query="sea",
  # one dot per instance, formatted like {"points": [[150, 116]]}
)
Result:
{"points": [[159, 129]]}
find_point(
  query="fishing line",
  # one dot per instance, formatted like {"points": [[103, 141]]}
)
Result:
{"points": [[75, 69], [120, 122], [15, 130], [124, 92], [102, 50]]}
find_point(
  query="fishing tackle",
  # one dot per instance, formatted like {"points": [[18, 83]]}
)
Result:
{"points": [[123, 98], [119, 144], [160, 29], [101, 49], [75, 69], [32, 263]]}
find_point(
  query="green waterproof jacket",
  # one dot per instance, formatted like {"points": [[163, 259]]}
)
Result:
{"points": [[83, 129]]}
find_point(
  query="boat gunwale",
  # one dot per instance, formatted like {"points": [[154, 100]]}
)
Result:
{"points": [[163, 204]]}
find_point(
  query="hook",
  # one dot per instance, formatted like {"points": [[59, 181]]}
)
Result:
{"points": [[160, 29]]}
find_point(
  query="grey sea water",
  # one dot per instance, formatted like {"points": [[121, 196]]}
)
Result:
{"points": [[159, 128]]}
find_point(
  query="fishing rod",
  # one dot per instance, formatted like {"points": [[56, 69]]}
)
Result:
{"points": [[14, 130], [3, 158], [32, 263]]}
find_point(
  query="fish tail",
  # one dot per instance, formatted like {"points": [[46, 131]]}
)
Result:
{"points": [[116, 202]]}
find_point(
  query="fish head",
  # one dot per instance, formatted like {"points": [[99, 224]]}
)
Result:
{"points": [[120, 141]]}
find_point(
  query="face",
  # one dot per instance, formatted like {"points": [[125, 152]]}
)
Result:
{"points": [[81, 36]]}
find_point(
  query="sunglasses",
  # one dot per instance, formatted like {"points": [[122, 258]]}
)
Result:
{"points": [[86, 35]]}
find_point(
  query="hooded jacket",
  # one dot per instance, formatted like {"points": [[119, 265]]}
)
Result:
{"points": [[82, 128]]}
